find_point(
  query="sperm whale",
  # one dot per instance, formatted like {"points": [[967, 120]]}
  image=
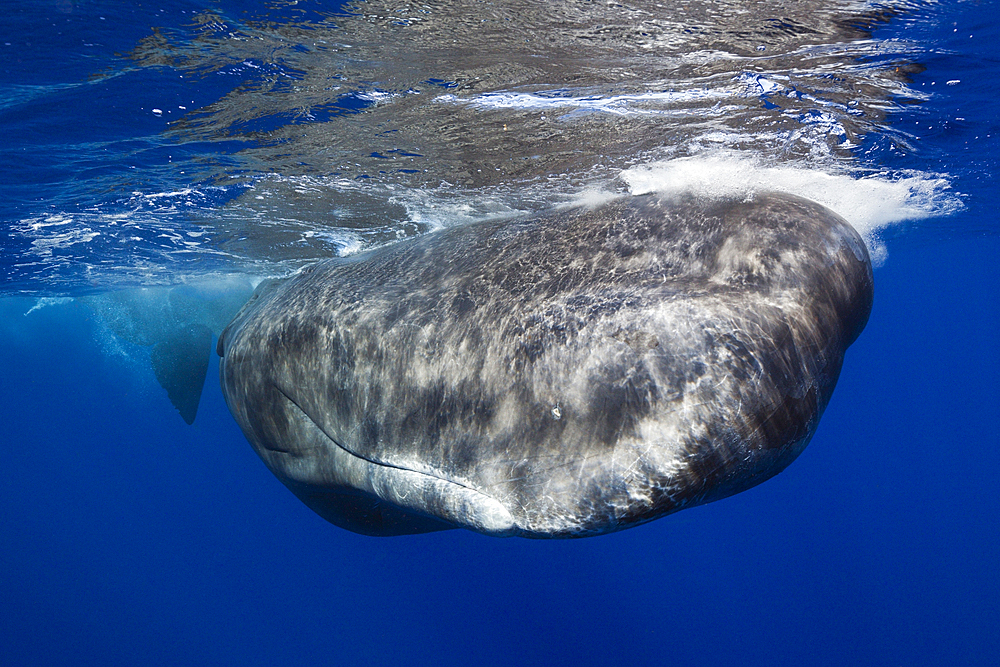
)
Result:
{"points": [[563, 375]]}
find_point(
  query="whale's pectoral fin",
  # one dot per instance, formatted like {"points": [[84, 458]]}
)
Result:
{"points": [[178, 322], [180, 363]]}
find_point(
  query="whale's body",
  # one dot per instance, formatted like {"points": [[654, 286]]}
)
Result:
{"points": [[567, 375]]}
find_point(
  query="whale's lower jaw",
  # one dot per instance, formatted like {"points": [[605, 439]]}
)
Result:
{"points": [[376, 498], [384, 499]]}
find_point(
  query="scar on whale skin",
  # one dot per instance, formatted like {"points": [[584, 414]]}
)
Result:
{"points": [[567, 375]]}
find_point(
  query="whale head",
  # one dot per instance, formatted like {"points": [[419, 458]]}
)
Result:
{"points": [[566, 375]]}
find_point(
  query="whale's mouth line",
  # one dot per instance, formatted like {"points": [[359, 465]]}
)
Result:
{"points": [[423, 492], [369, 459]]}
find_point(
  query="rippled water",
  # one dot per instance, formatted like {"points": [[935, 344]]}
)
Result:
{"points": [[256, 138]]}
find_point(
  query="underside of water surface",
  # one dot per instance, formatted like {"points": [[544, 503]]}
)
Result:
{"points": [[255, 139]]}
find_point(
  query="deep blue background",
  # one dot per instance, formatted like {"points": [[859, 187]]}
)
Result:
{"points": [[129, 538]]}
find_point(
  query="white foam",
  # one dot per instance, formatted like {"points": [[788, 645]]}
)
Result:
{"points": [[445, 207], [48, 301], [44, 246], [870, 202], [613, 104], [590, 198]]}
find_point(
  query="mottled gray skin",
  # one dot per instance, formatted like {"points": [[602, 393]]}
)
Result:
{"points": [[562, 376]]}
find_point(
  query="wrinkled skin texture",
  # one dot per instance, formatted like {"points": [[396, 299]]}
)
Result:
{"points": [[562, 376]]}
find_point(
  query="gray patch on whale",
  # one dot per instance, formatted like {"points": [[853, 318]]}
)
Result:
{"points": [[562, 376]]}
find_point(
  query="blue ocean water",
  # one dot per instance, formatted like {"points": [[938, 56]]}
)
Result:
{"points": [[128, 537]]}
